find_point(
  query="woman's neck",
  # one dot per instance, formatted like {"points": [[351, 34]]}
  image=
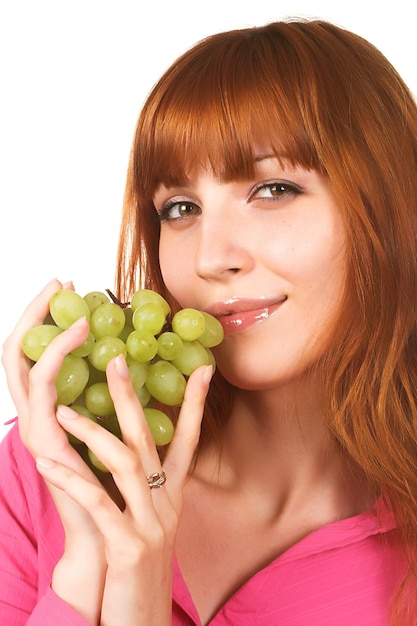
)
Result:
{"points": [[277, 450]]}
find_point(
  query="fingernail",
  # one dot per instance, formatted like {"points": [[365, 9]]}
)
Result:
{"points": [[121, 366], [51, 282], [208, 373], [66, 413], [44, 463], [78, 322]]}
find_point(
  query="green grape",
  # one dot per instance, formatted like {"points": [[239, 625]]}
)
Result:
{"points": [[213, 332], [143, 395], [66, 307], [165, 383], [141, 345], [188, 324], [37, 339], [192, 355], [85, 348], [82, 410], [138, 372], [159, 354], [149, 317], [143, 296], [106, 349], [98, 399], [160, 425], [72, 379], [107, 320], [95, 298], [169, 345]]}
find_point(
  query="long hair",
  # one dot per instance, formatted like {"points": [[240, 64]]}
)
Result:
{"points": [[327, 100]]}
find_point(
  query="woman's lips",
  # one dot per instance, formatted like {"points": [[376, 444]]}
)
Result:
{"points": [[240, 315]]}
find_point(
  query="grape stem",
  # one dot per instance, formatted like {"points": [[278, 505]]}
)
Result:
{"points": [[122, 305]]}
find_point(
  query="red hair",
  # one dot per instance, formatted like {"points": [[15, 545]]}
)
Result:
{"points": [[325, 99]]}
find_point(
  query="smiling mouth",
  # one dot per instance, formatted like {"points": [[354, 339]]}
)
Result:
{"points": [[239, 315]]}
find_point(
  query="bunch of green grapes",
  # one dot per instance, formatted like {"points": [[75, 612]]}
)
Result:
{"points": [[161, 352]]}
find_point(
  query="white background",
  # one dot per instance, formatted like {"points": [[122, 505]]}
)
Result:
{"points": [[73, 76]]}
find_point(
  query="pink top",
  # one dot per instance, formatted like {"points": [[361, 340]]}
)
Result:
{"points": [[344, 573]]}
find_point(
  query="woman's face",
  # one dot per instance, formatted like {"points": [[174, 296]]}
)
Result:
{"points": [[265, 256]]}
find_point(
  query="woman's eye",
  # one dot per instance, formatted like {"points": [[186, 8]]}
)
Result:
{"points": [[174, 210], [276, 190]]}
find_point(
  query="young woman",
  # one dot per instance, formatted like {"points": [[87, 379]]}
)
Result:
{"points": [[272, 183]]}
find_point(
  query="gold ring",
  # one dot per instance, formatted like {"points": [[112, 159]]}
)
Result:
{"points": [[156, 480]]}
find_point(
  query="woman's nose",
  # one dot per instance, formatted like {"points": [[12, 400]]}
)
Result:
{"points": [[222, 248]]}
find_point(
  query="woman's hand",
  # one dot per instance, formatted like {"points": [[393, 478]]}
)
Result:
{"points": [[139, 540], [117, 564], [34, 395]]}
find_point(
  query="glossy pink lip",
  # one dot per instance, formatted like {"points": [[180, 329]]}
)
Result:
{"points": [[239, 314]]}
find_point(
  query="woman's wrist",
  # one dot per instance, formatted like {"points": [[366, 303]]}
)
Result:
{"points": [[79, 579]]}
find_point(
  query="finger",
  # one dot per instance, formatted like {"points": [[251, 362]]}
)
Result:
{"points": [[14, 361], [139, 439], [42, 425], [90, 495], [130, 470], [187, 431], [135, 430]]}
